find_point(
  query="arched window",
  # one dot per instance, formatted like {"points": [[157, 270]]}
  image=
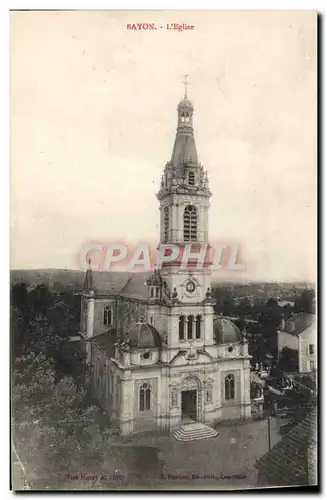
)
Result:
{"points": [[191, 179], [190, 327], [166, 223], [181, 327], [190, 223], [145, 397], [198, 327], [230, 387], [107, 316]]}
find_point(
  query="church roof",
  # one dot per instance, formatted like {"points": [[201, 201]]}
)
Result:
{"points": [[136, 287], [106, 342], [108, 282], [225, 331], [184, 151], [185, 104], [143, 335], [131, 285]]}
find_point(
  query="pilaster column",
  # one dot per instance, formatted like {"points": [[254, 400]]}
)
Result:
{"points": [[202, 328], [90, 315], [126, 402]]}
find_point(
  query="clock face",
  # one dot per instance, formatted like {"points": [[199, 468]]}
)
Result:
{"points": [[190, 286]]}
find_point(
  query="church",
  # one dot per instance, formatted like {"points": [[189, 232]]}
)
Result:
{"points": [[158, 356]]}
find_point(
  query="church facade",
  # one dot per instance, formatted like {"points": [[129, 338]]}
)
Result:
{"points": [[158, 355]]}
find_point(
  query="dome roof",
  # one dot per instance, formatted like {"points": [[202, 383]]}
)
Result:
{"points": [[225, 331], [185, 103], [143, 335]]}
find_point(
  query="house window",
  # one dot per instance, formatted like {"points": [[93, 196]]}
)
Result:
{"points": [[166, 223], [311, 349], [229, 387], [190, 223], [145, 397], [107, 316], [198, 327], [312, 365], [191, 179], [190, 327], [181, 327]]}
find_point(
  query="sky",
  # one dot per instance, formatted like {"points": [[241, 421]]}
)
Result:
{"points": [[93, 121]]}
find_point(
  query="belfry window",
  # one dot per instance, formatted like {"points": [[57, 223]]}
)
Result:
{"points": [[190, 223], [185, 117], [166, 224], [181, 327], [145, 397], [198, 327], [191, 179], [190, 327], [230, 387], [107, 316]]}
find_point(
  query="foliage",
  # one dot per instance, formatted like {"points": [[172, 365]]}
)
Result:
{"points": [[297, 403], [43, 322], [305, 302], [52, 424], [288, 360]]}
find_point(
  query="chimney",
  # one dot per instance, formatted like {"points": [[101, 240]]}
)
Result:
{"points": [[282, 323], [291, 325]]}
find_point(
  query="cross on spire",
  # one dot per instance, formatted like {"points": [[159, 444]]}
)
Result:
{"points": [[186, 83]]}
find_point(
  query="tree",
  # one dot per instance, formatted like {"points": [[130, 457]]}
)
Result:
{"points": [[52, 424], [43, 322], [269, 321], [305, 303], [297, 403], [288, 360]]}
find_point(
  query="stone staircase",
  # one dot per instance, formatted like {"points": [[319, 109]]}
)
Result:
{"points": [[194, 431]]}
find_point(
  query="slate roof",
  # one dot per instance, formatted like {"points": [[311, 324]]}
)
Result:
{"points": [[142, 335], [302, 321], [286, 464], [184, 150], [225, 331], [107, 282], [136, 287], [131, 285], [106, 341]]}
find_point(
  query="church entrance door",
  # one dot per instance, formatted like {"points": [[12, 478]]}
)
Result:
{"points": [[189, 405]]}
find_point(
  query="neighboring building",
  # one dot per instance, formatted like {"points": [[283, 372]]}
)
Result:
{"points": [[299, 333], [293, 460], [157, 354], [283, 303]]}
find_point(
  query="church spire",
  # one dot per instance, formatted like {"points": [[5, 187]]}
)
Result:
{"points": [[184, 150], [88, 283], [186, 83]]}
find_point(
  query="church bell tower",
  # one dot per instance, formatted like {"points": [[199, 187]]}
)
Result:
{"points": [[184, 203]]}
